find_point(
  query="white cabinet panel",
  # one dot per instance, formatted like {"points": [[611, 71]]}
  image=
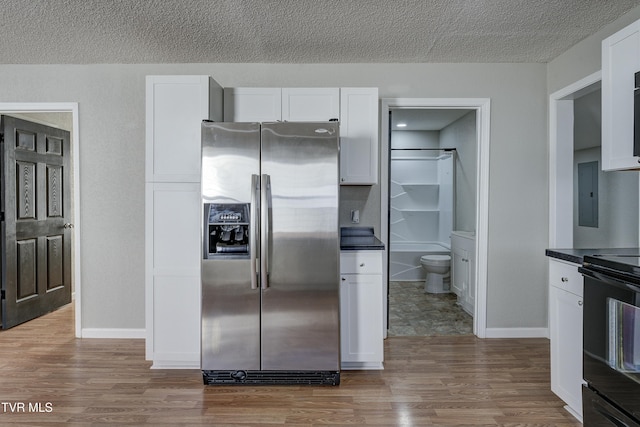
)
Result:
{"points": [[463, 265], [173, 275], [620, 61], [252, 104], [176, 105], [362, 325], [359, 136], [459, 271], [176, 228], [565, 276], [310, 104], [360, 262], [176, 322]]}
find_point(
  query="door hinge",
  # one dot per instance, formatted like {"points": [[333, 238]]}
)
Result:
{"points": [[1, 216], [1, 138], [2, 295]]}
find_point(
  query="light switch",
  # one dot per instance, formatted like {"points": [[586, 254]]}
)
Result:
{"points": [[355, 216]]}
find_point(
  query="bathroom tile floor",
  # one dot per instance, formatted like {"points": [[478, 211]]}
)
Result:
{"points": [[412, 312]]}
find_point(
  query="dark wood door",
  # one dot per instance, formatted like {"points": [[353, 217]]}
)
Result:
{"points": [[36, 227]]}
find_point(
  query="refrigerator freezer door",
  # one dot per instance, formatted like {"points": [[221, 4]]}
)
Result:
{"points": [[230, 304], [300, 304]]}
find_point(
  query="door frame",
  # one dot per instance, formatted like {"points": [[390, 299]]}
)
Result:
{"points": [[63, 107], [482, 106], [561, 158]]}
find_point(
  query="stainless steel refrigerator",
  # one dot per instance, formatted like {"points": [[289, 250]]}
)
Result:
{"points": [[270, 253]]}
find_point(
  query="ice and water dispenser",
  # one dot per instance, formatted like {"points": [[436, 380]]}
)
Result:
{"points": [[226, 230]]}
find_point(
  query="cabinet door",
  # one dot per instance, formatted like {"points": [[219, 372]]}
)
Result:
{"points": [[172, 264], [176, 105], [359, 136], [310, 104], [620, 61], [471, 294], [252, 104], [565, 330], [361, 323], [459, 271]]}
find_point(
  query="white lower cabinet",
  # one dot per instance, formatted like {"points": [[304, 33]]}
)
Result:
{"points": [[565, 330], [361, 310]]}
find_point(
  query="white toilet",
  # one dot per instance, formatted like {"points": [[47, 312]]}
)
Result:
{"points": [[438, 280]]}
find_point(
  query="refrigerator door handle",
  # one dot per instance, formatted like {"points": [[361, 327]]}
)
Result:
{"points": [[265, 201], [253, 230]]}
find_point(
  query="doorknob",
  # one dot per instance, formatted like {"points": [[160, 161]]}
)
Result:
{"points": [[68, 225]]}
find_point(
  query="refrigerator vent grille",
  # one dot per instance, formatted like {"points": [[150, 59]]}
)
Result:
{"points": [[271, 377]]}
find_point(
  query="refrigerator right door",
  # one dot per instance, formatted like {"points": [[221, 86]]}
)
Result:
{"points": [[300, 328]]}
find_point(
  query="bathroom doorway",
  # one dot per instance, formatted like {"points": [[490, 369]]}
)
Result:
{"points": [[431, 173]]}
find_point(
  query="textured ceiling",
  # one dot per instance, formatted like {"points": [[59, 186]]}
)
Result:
{"points": [[297, 31]]}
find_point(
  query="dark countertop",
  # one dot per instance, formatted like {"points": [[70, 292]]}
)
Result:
{"points": [[576, 255], [358, 239]]}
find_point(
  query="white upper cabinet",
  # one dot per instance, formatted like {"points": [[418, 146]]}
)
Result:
{"points": [[355, 108], [310, 104], [359, 136], [252, 104], [176, 105], [620, 62]]}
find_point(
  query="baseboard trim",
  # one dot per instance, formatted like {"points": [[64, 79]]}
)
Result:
{"points": [[352, 366], [172, 364], [517, 333], [114, 333]]}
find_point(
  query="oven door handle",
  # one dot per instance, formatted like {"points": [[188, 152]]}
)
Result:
{"points": [[609, 279]]}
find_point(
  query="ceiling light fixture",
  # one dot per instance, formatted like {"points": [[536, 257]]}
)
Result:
{"points": [[401, 125]]}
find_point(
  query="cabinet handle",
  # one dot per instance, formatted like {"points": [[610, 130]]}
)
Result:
{"points": [[580, 303], [565, 279], [343, 279], [362, 265]]}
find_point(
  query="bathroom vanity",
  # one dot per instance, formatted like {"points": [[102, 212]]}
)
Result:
{"points": [[361, 299], [463, 266]]}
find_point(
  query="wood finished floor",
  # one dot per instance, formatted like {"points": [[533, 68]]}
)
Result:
{"points": [[428, 381]]}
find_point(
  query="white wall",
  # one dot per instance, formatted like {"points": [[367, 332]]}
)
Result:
{"points": [[617, 190], [584, 58], [415, 139], [617, 207], [111, 113], [462, 136]]}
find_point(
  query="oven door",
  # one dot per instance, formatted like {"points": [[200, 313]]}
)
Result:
{"points": [[611, 316]]}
